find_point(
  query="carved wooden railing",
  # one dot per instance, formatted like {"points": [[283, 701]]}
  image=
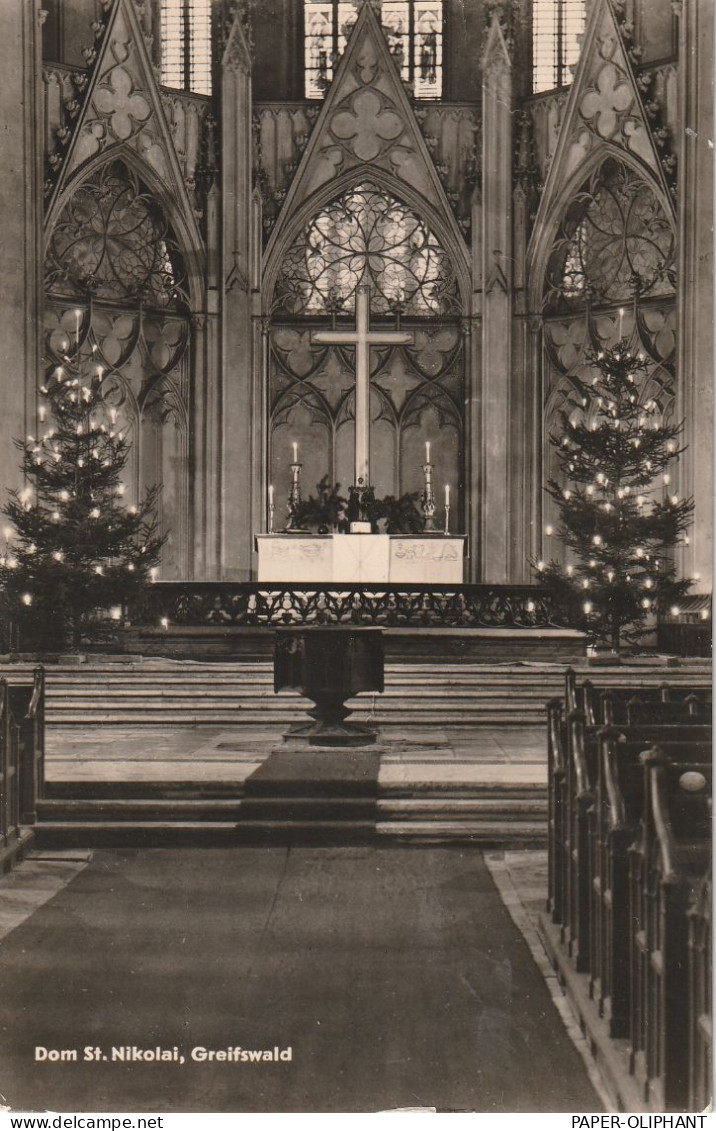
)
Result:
{"points": [[255, 604]]}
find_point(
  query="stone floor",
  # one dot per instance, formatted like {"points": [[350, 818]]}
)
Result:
{"points": [[472, 755]]}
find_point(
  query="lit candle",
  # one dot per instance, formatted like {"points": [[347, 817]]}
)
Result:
{"points": [[78, 318], [295, 452], [447, 494], [621, 317], [270, 494], [427, 451]]}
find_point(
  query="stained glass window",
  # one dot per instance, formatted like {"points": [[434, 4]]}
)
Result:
{"points": [[557, 27], [615, 241], [367, 232], [113, 240], [413, 28], [186, 44]]}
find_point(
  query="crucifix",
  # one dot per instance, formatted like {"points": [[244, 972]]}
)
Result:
{"points": [[363, 338]]}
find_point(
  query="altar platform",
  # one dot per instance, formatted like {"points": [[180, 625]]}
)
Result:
{"points": [[411, 559]]}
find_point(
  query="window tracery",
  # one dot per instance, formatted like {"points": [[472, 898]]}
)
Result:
{"points": [[367, 231], [117, 305], [615, 241], [186, 45], [413, 29], [113, 240], [557, 27]]}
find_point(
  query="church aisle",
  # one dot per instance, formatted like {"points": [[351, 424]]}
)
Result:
{"points": [[395, 975]]}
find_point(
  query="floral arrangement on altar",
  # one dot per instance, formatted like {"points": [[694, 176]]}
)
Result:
{"points": [[328, 511]]}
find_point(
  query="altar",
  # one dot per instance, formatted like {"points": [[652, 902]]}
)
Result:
{"points": [[410, 559], [434, 557]]}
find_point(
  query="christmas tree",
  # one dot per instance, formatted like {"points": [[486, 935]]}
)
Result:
{"points": [[74, 552], [620, 519]]}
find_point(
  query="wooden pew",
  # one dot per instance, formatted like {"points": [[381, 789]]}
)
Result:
{"points": [[557, 784], [691, 709], [668, 861], [27, 703], [22, 759], [618, 810], [9, 780], [579, 827], [700, 998], [612, 706]]}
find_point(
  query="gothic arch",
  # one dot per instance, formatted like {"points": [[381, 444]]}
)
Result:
{"points": [[546, 226], [602, 307], [449, 238], [185, 229], [118, 299], [417, 391]]}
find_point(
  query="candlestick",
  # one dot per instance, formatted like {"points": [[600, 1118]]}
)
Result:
{"points": [[447, 518], [294, 495], [271, 508], [428, 499]]}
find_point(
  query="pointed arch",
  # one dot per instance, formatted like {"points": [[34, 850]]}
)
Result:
{"points": [[189, 244], [447, 235], [366, 125], [545, 232]]}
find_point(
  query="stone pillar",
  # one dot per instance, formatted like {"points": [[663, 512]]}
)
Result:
{"points": [[695, 369], [496, 242], [20, 231], [205, 455], [237, 517]]}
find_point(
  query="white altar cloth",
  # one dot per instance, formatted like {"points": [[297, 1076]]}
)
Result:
{"points": [[412, 559]]}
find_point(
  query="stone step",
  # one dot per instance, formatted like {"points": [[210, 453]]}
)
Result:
{"points": [[77, 678], [168, 833], [265, 692], [108, 810], [519, 833], [507, 808], [507, 716]]}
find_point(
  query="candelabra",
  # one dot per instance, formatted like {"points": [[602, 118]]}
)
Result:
{"points": [[427, 499], [294, 495]]}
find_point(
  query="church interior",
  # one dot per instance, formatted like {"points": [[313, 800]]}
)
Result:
{"points": [[332, 276]]}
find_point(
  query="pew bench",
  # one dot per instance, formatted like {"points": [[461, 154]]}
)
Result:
{"points": [[668, 861], [617, 811], [22, 760]]}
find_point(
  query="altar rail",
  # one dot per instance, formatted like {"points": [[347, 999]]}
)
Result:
{"points": [[252, 604]]}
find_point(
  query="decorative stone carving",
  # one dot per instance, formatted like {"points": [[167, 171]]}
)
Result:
{"points": [[366, 230], [123, 108], [614, 242], [366, 119], [113, 240], [604, 107]]}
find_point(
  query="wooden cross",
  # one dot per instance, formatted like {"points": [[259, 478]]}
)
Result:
{"points": [[363, 338]]}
